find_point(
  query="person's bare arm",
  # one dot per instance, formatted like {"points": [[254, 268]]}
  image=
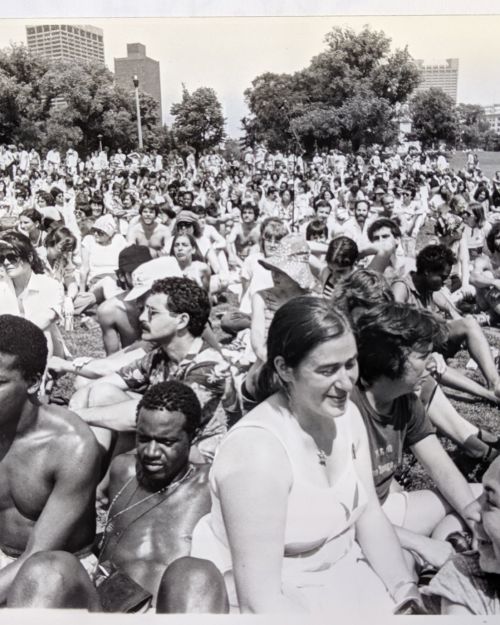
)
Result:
{"points": [[253, 478], [74, 478], [482, 276], [400, 292], [450, 482], [374, 532], [257, 327], [84, 269]]}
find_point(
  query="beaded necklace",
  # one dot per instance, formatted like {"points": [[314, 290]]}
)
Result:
{"points": [[109, 528]]}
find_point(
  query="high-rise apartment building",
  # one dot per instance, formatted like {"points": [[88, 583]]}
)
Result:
{"points": [[443, 75], [147, 70], [492, 114], [62, 42]]}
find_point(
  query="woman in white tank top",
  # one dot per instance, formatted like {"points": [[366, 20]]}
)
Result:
{"points": [[295, 524]]}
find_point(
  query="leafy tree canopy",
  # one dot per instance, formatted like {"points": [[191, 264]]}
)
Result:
{"points": [[320, 104], [199, 122], [45, 104]]}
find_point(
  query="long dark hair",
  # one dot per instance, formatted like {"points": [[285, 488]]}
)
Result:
{"points": [[21, 244], [297, 328], [197, 255]]}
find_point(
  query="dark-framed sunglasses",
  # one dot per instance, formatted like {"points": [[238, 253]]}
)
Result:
{"points": [[11, 257]]}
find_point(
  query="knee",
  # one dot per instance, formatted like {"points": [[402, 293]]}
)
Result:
{"points": [[192, 585], [189, 570], [105, 313], [43, 574]]}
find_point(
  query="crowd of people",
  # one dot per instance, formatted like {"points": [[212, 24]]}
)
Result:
{"points": [[245, 458]]}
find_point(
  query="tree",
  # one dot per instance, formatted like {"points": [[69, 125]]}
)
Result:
{"points": [[474, 126], [199, 122], [434, 116], [45, 104], [319, 103], [22, 106]]}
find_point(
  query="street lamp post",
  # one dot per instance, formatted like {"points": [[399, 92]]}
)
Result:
{"points": [[99, 136], [138, 110]]}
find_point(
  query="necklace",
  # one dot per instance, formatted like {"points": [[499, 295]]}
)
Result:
{"points": [[322, 457], [109, 527]]}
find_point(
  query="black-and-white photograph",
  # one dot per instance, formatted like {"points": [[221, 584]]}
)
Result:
{"points": [[250, 313]]}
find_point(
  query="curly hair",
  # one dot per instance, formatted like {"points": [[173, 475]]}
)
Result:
{"points": [[24, 340], [21, 244], [185, 296], [434, 258], [386, 333], [173, 396]]}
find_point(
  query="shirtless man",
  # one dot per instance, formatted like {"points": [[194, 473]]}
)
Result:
{"points": [[424, 288], [147, 231], [158, 496], [244, 235], [118, 318], [49, 468]]}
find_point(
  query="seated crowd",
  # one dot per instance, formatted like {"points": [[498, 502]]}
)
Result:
{"points": [[247, 458]]}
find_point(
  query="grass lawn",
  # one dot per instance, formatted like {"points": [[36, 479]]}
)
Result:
{"points": [[489, 162]]}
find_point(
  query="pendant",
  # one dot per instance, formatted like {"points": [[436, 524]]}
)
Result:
{"points": [[322, 457]]}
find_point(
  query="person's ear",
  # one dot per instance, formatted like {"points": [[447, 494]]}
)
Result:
{"points": [[282, 369], [182, 320], [35, 384]]}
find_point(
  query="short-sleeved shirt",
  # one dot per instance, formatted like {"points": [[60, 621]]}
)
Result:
{"points": [[388, 435], [462, 581], [204, 370]]}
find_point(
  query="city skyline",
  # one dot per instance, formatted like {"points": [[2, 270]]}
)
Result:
{"points": [[228, 53]]}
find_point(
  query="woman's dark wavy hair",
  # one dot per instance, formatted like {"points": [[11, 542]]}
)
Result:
{"points": [[21, 244], [31, 213], [197, 255], [490, 237], [61, 234], [363, 289], [297, 328], [387, 332]]}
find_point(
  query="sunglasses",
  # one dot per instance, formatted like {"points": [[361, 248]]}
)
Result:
{"points": [[11, 257], [184, 224]]}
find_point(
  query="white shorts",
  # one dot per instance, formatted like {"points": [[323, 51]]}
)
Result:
{"points": [[396, 507]]}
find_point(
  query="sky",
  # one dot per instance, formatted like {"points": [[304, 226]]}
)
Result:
{"points": [[227, 53]]}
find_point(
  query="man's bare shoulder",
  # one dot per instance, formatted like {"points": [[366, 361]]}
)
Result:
{"points": [[122, 468], [200, 473], [69, 434]]}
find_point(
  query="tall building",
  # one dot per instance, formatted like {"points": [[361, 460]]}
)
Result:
{"points": [[492, 114], [443, 75], [66, 42], [147, 70]]}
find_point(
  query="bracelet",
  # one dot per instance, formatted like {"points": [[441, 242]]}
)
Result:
{"points": [[78, 367]]}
